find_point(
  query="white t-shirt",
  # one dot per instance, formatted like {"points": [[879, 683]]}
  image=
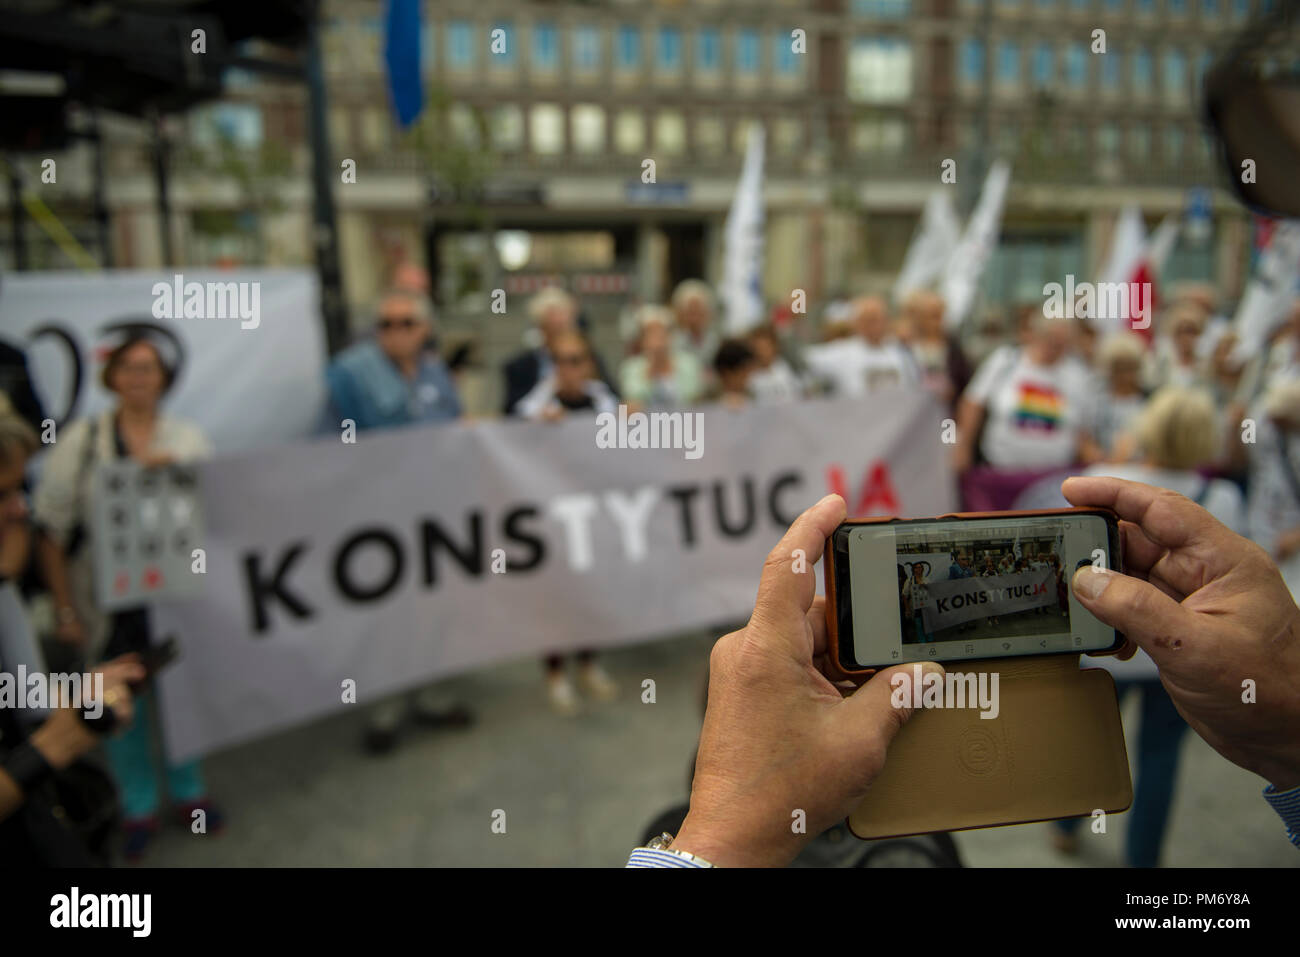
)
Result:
{"points": [[1034, 413], [856, 367], [542, 396], [1219, 497], [775, 384]]}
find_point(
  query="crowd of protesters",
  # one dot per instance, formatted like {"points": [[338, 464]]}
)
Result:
{"points": [[1173, 405]]}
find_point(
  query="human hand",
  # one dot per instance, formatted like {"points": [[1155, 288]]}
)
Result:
{"points": [[1287, 544], [69, 630], [778, 736], [1212, 611]]}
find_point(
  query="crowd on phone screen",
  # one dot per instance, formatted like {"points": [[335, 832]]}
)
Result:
{"points": [[1033, 398]]}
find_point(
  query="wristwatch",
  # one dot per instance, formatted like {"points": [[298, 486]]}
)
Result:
{"points": [[663, 842]]}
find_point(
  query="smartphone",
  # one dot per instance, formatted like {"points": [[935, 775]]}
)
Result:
{"points": [[968, 586], [159, 656]]}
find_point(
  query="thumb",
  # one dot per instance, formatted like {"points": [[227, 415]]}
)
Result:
{"points": [[1137, 608], [877, 710]]}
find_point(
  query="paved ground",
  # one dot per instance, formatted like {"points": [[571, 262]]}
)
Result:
{"points": [[581, 791]]}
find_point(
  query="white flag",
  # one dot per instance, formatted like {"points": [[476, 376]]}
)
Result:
{"points": [[1128, 247], [933, 245], [1161, 244], [1136, 258], [1269, 293], [742, 284], [971, 256]]}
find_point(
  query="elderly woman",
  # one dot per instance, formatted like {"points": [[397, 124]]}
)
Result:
{"points": [[662, 375], [1176, 436], [1176, 359], [692, 313], [135, 428], [1120, 399]]}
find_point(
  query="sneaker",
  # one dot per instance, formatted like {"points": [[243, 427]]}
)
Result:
{"points": [[559, 690], [596, 682], [139, 832], [379, 740], [383, 724], [214, 820], [432, 709]]}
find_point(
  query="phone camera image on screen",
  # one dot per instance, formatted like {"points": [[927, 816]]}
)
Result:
{"points": [[983, 588]]}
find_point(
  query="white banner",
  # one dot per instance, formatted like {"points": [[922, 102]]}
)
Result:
{"points": [[423, 552], [244, 384], [967, 599]]}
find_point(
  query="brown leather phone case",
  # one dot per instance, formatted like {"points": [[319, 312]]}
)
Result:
{"points": [[1055, 750]]}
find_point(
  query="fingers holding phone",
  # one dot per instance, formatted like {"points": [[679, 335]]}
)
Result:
{"points": [[1212, 611]]}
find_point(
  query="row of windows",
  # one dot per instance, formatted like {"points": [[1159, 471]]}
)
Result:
{"points": [[1105, 140], [593, 131], [631, 47], [588, 129], [1046, 63], [1208, 10], [1205, 9]]}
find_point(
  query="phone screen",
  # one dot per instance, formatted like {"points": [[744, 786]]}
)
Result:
{"points": [[972, 588]]}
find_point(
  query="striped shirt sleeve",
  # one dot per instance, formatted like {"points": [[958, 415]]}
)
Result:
{"points": [[645, 857], [1287, 805]]}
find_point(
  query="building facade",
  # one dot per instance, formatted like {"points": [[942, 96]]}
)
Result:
{"points": [[530, 161]]}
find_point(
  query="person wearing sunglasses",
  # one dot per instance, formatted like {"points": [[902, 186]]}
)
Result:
{"points": [[573, 387], [393, 379], [396, 377]]}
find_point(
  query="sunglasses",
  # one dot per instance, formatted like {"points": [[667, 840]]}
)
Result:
{"points": [[386, 325]]}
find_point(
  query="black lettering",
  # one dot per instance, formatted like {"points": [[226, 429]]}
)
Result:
{"points": [[259, 589], [782, 519], [684, 495], [720, 510], [396, 564], [536, 546], [470, 558]]}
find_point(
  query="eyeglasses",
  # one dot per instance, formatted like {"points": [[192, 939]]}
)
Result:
{"points": [[387, 325]]}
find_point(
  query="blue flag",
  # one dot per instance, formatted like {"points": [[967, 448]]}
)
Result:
{"points": [[402, 56]]}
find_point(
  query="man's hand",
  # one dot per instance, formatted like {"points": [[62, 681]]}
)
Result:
{"points": [[1287, 544], [1211, 610], [778, 736]]}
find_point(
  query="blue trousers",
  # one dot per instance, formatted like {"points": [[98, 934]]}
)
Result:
{"points": [[131, 756], [1160, 732]]}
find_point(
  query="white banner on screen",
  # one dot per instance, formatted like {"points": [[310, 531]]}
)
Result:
{"points": [[428, 551], [967, 599], [243, 386]]}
